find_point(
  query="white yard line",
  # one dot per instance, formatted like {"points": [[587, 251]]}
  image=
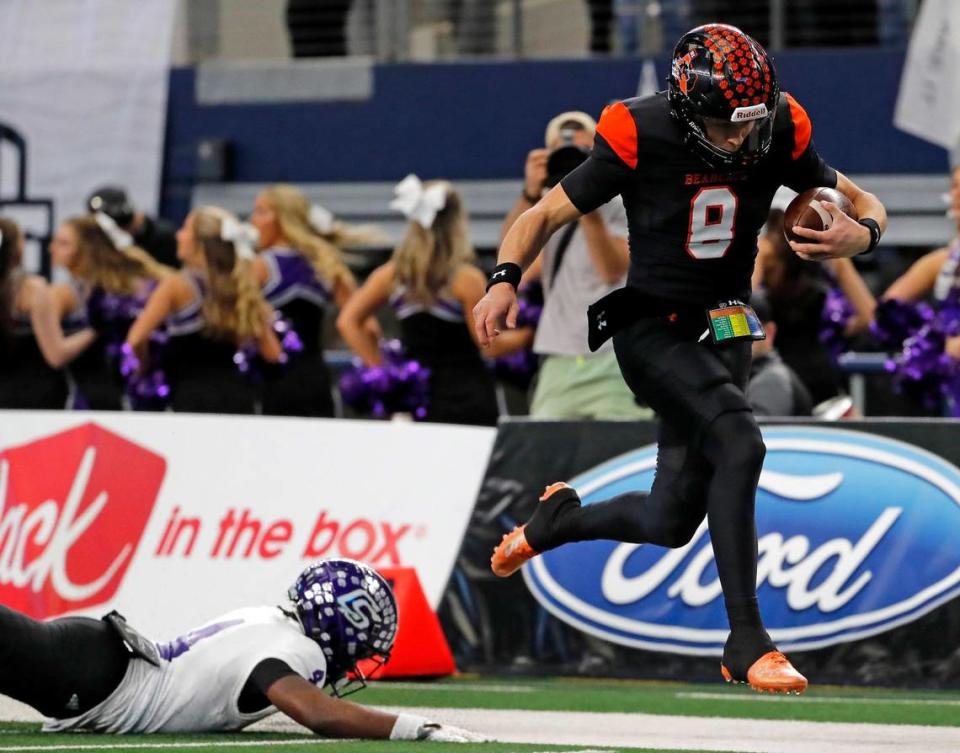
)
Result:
{"points": [[838, 699], [585, 729], [696, 733]]}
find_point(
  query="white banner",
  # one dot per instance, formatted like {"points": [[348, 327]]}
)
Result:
{"points": [[84, 85], [173, 519], [928, 104]]}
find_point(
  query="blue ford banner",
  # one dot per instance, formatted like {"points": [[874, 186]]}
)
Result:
{"points": [[859, 533]]}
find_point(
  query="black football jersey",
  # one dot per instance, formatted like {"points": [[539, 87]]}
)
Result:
{"points": [[693, 229]]}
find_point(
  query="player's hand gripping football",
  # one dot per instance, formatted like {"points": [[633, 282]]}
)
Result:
{"points": [[844, 238], [497, 307]]}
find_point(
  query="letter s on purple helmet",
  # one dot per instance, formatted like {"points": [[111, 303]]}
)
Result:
{"points": [[349, 610], [720, 72]]}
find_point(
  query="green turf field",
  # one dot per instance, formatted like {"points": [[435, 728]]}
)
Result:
{"points": [[820, 704], [19, 737]]}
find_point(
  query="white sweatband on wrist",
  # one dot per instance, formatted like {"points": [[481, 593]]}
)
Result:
{"points": [[407, 727]]}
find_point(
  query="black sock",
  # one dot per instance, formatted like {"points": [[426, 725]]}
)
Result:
{"points": [[546, 528], [744, 613], [748, 639]]}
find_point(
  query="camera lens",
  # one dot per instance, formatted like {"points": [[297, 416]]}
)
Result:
{"points": [[562, 160]]}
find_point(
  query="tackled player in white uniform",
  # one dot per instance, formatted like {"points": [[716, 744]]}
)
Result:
{"points": [[224, 675]]}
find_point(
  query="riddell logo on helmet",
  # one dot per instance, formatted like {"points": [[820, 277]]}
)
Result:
{"points": [[74, 508], [742, 114]]}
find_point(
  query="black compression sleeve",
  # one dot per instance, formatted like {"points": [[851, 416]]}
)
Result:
{"points": [[594, 183], [268, 672], [809, 171], [253, 695]]}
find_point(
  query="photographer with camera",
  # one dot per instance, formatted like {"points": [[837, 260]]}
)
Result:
{"points": [[578, 266], [154, 235]]}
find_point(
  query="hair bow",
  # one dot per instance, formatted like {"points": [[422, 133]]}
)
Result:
{"points": [[418, 204], [321, 219], [119, 237], [242, 235]]}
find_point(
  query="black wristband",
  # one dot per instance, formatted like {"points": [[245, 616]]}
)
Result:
{"points": [[530, 199], [874, 227], [506, 272]]}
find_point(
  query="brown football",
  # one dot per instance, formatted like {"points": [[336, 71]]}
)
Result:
{"points": [[806, 210]]}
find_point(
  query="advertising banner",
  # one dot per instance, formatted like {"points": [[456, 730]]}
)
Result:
{"points": [[173, 519], [857, 525]]}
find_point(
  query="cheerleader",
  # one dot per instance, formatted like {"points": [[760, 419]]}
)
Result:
{"points": [[432, 285], [111, 280], [33, 348], [212, 309], [302, 274], [935, 275]]}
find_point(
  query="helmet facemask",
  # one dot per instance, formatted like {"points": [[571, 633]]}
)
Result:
{"points": [[754, 148]]}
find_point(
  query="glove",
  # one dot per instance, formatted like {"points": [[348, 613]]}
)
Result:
{"points": [[410, 727], [447, 733]]}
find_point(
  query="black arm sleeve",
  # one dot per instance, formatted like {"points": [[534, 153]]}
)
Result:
{"points": [[809, 171], [594, 183], [601, 177], [253, 695], [268, 672]]}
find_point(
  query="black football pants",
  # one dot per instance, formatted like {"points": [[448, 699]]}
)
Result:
{"points": [[709, 456], [62, 668]]}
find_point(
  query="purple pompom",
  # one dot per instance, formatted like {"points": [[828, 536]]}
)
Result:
{"points": [[529, 314], [398, 385], [922, 369], [895, 321], [147, 390], [129, 363], [837, 312], [249, 361]]}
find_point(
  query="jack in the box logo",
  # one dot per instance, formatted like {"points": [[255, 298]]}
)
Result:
{"points": [[74, 508]]}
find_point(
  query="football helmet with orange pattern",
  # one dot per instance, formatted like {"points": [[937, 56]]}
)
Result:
{"points": [[720, 72]]}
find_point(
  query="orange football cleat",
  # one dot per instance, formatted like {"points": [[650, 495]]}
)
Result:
{"points": [[513, 550], [548, 491], [771, 673]]}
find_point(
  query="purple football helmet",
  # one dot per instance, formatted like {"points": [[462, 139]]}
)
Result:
{"points": [[349, 610]]}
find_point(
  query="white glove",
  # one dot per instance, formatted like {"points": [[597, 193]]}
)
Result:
{"points": [[446, 733], [410, 727]]}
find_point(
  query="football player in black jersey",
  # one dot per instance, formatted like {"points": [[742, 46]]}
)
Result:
{"points": [[697, 167]]}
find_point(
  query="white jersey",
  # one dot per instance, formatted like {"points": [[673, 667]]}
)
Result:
{"points": [[197, 686]]}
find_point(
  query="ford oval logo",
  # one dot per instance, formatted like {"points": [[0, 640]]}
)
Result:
{"points": [[858, 534]]}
